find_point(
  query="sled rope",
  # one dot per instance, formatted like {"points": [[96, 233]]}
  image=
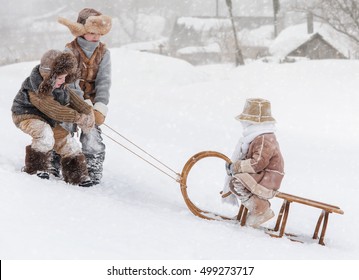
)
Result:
{"points": [[180, 178], [145, 152]]}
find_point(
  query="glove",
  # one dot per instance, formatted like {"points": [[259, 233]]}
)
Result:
{"points": [[99, 117], [229, 169], [86, 122]]}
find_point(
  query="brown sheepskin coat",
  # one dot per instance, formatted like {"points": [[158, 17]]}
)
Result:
{"points": [[262, 170]]}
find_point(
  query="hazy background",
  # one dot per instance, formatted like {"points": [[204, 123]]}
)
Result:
{"points": [[29, 28]]}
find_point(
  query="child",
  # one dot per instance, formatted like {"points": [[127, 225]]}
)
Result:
{"points": [[42, 104], [94, 62], [258, 167]]}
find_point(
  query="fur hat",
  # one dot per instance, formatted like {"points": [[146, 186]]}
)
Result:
{"points": [[88, 21], [256, 110], [54, 63]]}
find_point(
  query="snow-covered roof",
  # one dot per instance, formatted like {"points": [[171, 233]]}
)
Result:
{"points": [[211, 48], [261, 36], [203, 24], [294, 36], [146, 46]]}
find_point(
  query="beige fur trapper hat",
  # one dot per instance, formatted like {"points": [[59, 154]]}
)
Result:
{"points": [[256, 110], [88, 21]]}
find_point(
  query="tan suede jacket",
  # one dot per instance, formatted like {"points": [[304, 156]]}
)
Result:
{"points": [[263, 166]]}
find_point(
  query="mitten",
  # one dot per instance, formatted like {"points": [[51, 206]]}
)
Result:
{"points": [[236, 167], [86, 122], [99, 117]]}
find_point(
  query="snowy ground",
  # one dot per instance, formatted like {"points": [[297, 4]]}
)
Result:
{"points": [[174, 110]]}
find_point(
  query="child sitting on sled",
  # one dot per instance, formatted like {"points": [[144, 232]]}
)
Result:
{"points": [[257, 167], [40, 109]]}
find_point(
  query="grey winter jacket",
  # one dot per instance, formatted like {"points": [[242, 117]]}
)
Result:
{"points": [[22, 104], [62, 105]]}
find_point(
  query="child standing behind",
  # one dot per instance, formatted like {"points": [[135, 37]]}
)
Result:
{"points": [[39, 109], [94, 62], [258, 167]]}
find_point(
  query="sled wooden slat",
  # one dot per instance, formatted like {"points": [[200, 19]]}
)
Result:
{"points": [[324, 206]]}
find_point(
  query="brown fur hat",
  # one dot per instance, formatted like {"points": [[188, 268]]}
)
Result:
{"points": [[54, 63], [88, 21]]}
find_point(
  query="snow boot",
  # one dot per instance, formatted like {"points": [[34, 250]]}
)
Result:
{"points": [[74, 170], [86, 183], [43, 175], [37, 163], [55, 164], [95, 166], [259, 211]]}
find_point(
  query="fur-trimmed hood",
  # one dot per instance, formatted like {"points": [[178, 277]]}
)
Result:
{"points": [[61, 63], [89, 21]]}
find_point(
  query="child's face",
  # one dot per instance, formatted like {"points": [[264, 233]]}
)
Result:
{"points": [[60, 80], [92, 37]]}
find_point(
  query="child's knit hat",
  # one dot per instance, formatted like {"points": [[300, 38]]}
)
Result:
{"points": [[256, 110], [88, 21]]}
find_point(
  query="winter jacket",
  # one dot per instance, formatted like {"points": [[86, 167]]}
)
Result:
{"points": [[94, 63], [262, 169], [61, 105]]}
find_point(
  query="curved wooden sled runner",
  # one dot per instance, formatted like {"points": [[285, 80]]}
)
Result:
{"points": [[279, 229]]}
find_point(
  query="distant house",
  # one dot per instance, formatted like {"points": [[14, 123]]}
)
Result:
{"points": [[323, 43], [316, 47], [201, 40]]}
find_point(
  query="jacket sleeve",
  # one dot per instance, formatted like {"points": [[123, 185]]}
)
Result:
{"points": [[53, 109], [78, 103], [103, 84], [262, 152]]}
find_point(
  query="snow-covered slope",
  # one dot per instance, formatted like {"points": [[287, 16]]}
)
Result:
{"points": [[174, 110]]}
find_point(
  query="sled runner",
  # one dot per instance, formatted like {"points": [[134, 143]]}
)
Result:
{"points": [[282, 218]]}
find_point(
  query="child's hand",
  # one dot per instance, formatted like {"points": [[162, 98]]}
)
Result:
{"points": [[99, 117], [86, 122]]}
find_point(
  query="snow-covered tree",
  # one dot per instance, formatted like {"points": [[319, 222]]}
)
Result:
{"points": [[342, 15]]}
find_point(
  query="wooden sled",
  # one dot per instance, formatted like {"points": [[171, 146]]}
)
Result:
{"points": [[282, 217], [279, 230]]}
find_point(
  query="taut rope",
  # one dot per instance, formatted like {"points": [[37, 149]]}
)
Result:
{"points": [[177, 179]]}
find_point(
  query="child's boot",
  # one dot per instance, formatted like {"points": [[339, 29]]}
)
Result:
{"points": [[37, 163], [259, 211], [74, 170]]}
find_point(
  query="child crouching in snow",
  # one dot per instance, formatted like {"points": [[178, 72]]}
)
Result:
{"points": [[41, 106], [257, 167]]}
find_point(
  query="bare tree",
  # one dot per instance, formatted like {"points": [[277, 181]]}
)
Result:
{"points": [[238, 52], [342, 15], [276, 7]]}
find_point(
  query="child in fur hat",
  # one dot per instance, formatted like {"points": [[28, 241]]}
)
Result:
{"points": [[94, 62], [257, 167], [42, 104]]}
